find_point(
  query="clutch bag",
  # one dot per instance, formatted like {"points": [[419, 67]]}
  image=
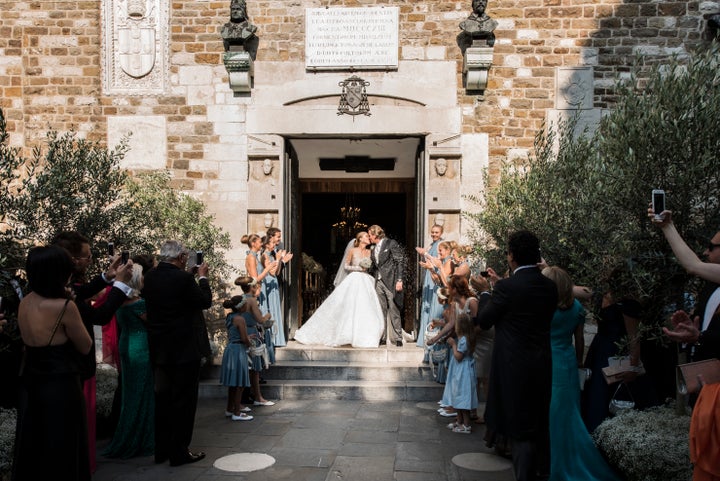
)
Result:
{"points": [[691, 376]]}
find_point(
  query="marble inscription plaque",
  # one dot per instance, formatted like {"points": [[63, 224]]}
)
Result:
{"points": [[359, 38]]}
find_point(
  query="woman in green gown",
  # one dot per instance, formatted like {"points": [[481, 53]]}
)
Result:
{"points": [[573, 455], [135, 432]]}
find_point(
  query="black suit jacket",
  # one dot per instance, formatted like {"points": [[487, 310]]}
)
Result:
{"points": [[95, 316], [174, 300], [710, 346], [390, 264], [521, 309]]}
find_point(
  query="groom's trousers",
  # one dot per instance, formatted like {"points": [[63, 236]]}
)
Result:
{"points": [[391, 312]]}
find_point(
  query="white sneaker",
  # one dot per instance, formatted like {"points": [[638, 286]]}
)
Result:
{"points": [[242, 417]]}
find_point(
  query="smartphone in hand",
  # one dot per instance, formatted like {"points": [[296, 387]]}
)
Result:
{"points": [[658, 203], [124, 257], [111, 249], [199, 258]]}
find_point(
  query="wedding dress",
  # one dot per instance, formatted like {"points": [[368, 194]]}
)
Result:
{"points": [[350, 315]]}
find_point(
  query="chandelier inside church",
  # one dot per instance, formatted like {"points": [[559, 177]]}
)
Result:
{"points": [[349, 223]]}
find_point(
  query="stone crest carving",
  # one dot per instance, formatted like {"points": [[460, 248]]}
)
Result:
{"points": [[354, 99], [135, 48]]}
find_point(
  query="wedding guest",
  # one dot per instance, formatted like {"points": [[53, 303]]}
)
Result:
{"points": [[135, 432], [442, 265], [430, 307], [254, 318], [701, 331], [93, 313], [173, 298], [271, 286], [235, 373], [462, 302], [461, 375], [460, 265], [484, 340], [521, 308], [618, 318], [573, 454], [51, 414], [437, 345]]}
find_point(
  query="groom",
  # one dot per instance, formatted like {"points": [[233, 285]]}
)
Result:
{"points": [[388, 267]]}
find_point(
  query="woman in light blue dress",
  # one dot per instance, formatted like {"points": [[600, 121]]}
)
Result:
{"points": [[256, 270], [272, 304], [430, 304], [573, 455]]}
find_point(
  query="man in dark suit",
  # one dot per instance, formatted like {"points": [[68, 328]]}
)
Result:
{"points": [[174, 301], [388, 268], [699, 331], [116, 276], [521, 308]]}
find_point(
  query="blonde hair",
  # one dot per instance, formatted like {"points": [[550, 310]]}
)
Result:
{"points": [[357, 238], [249, 239], [136, 280], [377, 231], [564, 285]]}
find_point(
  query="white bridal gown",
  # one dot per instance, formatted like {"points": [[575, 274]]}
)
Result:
{"points": [[350, 315]]}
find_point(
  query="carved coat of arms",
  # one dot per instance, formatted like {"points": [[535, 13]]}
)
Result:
{"points": [[354, 99], [136, 48]]}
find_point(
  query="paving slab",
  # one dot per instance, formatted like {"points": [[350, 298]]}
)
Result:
{"points": [[324, 440]]}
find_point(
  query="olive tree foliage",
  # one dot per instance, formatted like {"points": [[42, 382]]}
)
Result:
{"points": [[71, 183], [586, 196]]}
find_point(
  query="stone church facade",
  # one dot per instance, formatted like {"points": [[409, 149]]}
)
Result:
{"points": [[248, 135]]}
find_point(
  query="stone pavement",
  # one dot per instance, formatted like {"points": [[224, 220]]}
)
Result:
{"points": [[324, 440]]}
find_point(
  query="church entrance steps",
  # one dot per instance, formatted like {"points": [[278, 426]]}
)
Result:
{"points": [[318, 372]]}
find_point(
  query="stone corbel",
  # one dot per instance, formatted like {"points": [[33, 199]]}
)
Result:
{"points": [[239, 65], [476, 64]]}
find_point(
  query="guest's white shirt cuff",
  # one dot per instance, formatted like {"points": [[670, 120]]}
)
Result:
{"points": [[127, 290]]}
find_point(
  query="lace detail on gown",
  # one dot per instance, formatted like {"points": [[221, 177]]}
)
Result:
{"points": [[350, 315]]}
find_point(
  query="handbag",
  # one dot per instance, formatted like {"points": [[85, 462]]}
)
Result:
{"points": [[618, 406], [693, 375]]}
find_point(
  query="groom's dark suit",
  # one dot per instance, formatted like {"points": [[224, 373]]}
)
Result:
{"points": [[388, 267], [521, 309], [174, 300]]}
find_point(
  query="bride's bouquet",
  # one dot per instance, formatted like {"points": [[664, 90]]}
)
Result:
{"points": [[365, 263]]}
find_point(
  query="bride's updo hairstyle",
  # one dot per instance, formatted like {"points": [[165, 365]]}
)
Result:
{"points": [[357, 238], [249, 239], [233, 303], [245, 283]]}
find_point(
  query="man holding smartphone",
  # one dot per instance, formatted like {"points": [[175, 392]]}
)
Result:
{"points": [[175, 301]]}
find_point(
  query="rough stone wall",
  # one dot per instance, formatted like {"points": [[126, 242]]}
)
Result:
{"points": [[50, 72]]}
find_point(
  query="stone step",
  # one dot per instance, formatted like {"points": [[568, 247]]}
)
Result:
{"points": [[382, 355], [318, 372], [338, 390], [343, 371]]}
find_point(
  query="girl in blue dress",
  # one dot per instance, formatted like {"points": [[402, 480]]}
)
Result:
{"points": [[461, 375], [573, 455], [235, 373], [250, 312]]}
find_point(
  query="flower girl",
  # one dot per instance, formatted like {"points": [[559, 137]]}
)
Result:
{"points": [[463, 392]]}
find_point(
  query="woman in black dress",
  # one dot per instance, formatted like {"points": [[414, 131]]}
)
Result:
{"points": [[51, 437]]}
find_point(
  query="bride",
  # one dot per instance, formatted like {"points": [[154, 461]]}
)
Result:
{"points": [[351, 314]]}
